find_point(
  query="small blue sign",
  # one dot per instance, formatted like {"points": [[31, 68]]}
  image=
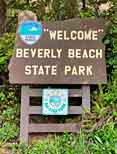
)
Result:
{"points": [[55, 102], [30, 32]]}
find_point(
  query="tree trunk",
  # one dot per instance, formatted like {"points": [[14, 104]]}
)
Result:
{"points": [[2, 16]]}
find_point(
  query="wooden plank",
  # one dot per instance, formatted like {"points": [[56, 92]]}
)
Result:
{"points": [[75, 110], [51, 128], [75, 93], [34, 92], [24, 118], [38, 110], [86, 98]]}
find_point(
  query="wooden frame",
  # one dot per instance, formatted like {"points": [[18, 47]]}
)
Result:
{"points": [[27, 110]]}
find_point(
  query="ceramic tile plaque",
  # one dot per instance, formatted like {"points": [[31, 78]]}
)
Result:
{"points": [[55, 102]]}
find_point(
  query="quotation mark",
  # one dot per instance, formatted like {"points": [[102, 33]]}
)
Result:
{"points": [[100, 30], [46, 30]]}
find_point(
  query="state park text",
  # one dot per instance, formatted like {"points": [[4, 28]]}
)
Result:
{"points": [[57, 54]]}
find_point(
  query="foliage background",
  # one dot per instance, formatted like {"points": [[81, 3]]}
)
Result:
{"points": [[99, 133]]}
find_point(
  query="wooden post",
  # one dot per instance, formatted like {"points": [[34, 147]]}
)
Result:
{"points": [[24, 117], [86, 98]]}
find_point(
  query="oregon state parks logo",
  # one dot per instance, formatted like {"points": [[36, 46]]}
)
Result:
{"points": [[30, 32], [55, 102]]}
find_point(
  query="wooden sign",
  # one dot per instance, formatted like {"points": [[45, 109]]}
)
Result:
{"points": [[60, 52]]}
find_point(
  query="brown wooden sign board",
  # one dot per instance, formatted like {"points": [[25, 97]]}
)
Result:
{"points": [[69, 52]]}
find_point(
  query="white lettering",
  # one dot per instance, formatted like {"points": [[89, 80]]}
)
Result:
{"points": [[78, 70], [41, 70], [28, 70], [19, 52], [52, 35]]}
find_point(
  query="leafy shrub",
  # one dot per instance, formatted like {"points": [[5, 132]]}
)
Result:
{"points": [[6, 50], [8, 98], [9, 115], [8, 132], [104, 140]]}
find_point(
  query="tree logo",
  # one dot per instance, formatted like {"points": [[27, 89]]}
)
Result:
{"points": [[55, 102]]}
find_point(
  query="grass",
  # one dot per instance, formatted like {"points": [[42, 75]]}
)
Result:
{"points": [[102, 141]]}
